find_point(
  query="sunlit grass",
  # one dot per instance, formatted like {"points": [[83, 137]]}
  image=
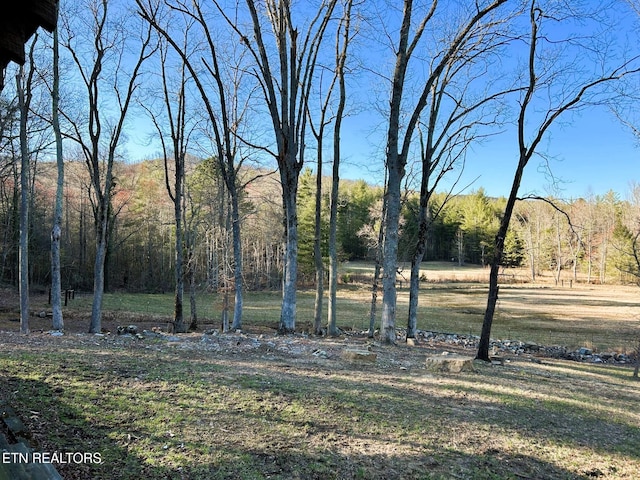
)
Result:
{"points": [[599, 317], [175, 414]]}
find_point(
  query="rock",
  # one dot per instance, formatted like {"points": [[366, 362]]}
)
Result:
{"points": [[450, 363], [319, 353], [362, 356], [153, 334], [622, 358], [130, 330]]}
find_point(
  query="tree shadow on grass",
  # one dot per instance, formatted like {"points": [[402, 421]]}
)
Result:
{"points": [[79, 449], [56, 426], [365, 429]]}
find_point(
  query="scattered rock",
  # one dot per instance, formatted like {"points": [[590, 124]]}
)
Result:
{"points": [[363, 356], [319, 353], [129, 330], [449, 363], [515, 347]]}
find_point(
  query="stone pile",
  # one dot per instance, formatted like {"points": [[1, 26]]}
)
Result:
{"points": [[516, 347]]}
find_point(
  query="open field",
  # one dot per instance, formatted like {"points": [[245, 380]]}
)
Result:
{"points": [[255, 405], [453, 299]]}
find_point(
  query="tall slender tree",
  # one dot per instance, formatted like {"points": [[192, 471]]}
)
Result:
{"points": [[23, 85], [56, 231], [100, 135], [179, 136], [400, 131], [218, 82], [562, 89], [343, 39], [457, 116], [286, 92]]}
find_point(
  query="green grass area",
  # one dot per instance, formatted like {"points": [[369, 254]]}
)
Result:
{"points": [[167, 413], [177, 410], [600, 317]]}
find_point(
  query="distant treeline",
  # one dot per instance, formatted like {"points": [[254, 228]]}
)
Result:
{"points": [[585, 239]]}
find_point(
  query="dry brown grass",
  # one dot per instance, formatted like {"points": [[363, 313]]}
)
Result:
{"points": [[244, 406], [256, 406]]}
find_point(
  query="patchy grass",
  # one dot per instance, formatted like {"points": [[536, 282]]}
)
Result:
{"points": [[155, 410], [159, 410], [599, 317]]}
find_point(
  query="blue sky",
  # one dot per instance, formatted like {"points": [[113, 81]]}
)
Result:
{"points": [[593, 154], [589, 153]]}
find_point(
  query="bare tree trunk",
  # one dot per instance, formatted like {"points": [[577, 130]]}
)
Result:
{"points": [[559, 252], [537, 81], [317, 246], [24, 99], [498, 250], [637, 368], [390, 254], [56, 283], [376, 271], [416, 261], [236, 238], [290, 264], [95, 325], [335, 174], [99, 163], [191, 275], [178, 314], [400, 133]]}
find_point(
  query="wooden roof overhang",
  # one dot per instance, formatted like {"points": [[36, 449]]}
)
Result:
{"points": [[18, 22]]}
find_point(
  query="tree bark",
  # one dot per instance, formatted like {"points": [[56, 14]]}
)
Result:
{"points": [[416, 261], [335, 173], [237, 261], [536, 82], [24, 100], [56, 282], [317, 245], [290, 261]]}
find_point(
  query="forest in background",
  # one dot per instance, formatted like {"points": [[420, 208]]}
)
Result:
{"points": [[584, 239], [260, 90]]}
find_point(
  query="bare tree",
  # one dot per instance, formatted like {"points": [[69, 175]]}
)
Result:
{"points": [[453, 122], [286, 92], [179, 139], [99, 135], [342, 47], [343, 38], [23, 85], [324, 120], [225, 114], [56, 231], [562, 89], [400, 133]]}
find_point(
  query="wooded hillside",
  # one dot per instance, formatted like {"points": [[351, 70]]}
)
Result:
{"points": [[593, 246]]}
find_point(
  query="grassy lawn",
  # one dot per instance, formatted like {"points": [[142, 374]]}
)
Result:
{"points": [[257, 406], [595, 316], [159, 412]]}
